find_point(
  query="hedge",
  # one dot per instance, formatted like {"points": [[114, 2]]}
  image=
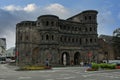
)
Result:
{"points": [[103, 66]]}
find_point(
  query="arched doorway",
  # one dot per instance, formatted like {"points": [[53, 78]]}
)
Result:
{"points": [[77, 58], [35, 55], [65, 58]]}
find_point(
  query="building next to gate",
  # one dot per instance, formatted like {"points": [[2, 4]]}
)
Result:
{"points": [[2, 49], [110, 46], [106, 51], [61, 42]]}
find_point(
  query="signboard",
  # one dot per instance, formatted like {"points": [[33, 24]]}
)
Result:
{"points": [[90, 54]]}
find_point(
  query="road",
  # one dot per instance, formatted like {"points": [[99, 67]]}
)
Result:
{"points": [[65, 73]]}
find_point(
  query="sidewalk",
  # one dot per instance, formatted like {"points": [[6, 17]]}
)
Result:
{"points": [[11, 67]]}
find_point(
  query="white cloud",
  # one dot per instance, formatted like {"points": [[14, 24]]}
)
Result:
{"points": [[30, 8], [10, 15], [33, 9], [10, 38], [56, 9], [12, 8]]}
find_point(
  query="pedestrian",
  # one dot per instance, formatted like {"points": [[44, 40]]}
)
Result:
{"points": [[89, 64], [47, 62], [72, 62], [81, 63]]}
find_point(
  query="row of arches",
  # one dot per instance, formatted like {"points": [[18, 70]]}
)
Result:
{"points": [[65, 59], [79, 29], [47, 23]]}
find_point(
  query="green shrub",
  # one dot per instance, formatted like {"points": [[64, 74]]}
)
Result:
{"points": [[111, 66], [103, 66], [107, 66], [95, 66]]}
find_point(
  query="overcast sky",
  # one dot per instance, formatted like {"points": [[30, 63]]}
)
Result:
{"points": [[14, 11]]}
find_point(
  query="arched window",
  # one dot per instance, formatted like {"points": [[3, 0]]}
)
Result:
{"points": [[76, 40], [52, 37], [47, 23], [65, 39], [86, 41], [80, 40], [68, 28], [90, 40], [26, 38], [94, 29], [42, 37], [52, 23], [85, 18], [38, 23], [47, 37], [60, 26], [95, 40], [72, 28], [86, 29], [89, 17], [90, 29], [68, 39], [75, 28], [94, 17], [20, 37], [64, 27], [60, 38], [72, 39], [79, 29]]}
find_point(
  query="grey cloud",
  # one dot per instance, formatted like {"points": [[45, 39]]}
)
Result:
{"points": [[7, 21]]}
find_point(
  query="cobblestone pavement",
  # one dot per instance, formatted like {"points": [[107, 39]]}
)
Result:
{"points": [[64, 73]]}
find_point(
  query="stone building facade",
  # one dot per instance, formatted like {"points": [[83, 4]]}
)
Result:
{"points": [[106, 49], [59, 41], [111, 45], [2, 49]]}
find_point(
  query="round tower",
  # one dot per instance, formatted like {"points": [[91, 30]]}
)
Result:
{"points": [[48, 33], [47, 21], [89, 16], [24, 40]]}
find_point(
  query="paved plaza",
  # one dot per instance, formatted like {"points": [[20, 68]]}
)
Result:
{"points": [[63, 73]]}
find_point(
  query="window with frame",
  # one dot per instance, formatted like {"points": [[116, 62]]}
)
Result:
{"points": [[86, 41], [52, 23], [42, 37], [90, 29], [86, 29], [47, 23], [26, 37], [89, 17], [52, 37], [90, 40], [85, 17], [47, 37], [80, 41]]}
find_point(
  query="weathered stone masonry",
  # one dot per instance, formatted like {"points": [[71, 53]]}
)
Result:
{"points": [[51, 38]]}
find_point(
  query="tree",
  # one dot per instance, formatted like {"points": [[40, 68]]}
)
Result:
{"points": [[116, 43]]}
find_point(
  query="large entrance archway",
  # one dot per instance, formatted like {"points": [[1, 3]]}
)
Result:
{"points": [[65, 59], [35, 55], [77, 58]]}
